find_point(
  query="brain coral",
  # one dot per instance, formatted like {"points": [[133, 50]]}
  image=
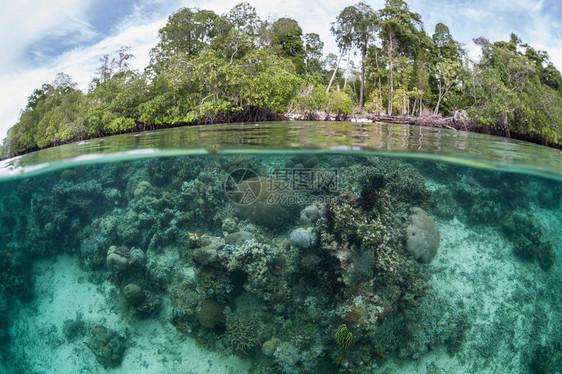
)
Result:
{"points": [[271, 202], [422, 236], [211, 314]]}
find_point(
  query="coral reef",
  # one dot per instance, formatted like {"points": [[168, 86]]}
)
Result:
{"points": [[271, 204], [107, 345], [184, 300], [118, 259], [546, 359], [239, 238], [4, 334], [268, 348], [422, 236], [302, 161], [134, 294], [74, 329], [93, 253], [312, 213], [142, 188], [412, 334], [229, 225], [534, 249], [211, 314], [16, 274], [206, 252], [477, 197], [289, 358], [303, 238], [528, 240], [165, 228], [242, 335], [405, 186]]}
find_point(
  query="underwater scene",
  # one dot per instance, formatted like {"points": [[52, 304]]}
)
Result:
{"points": [[280, 263]]}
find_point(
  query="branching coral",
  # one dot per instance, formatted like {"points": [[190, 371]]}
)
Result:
{"points": [[242, 335]]}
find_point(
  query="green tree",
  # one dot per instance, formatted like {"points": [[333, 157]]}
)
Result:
{"points": [[286, 36], [311, 98], [109, 67], [313, 53], [188, 31], [548, 73], [343, 31], [339, 103], [447, 62], [243, 17], [113, 106], [48, 112], [510, 95], [402, 34], [238, 31], [361, 22]]}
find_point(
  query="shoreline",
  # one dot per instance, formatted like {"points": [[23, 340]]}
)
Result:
{"points": [[458, 122]]}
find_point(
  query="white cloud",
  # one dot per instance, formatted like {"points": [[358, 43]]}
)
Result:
{"points": [[538, 7], [80, 64], [23, 23], [13, 95], [555, 53]]}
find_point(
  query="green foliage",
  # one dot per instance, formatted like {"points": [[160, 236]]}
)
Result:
{"points": [[355, 27], [188, 31], [286, 36], [511, 94], [374, 105], [339, 102], [310, 99], [50, 111], [313, 53]]}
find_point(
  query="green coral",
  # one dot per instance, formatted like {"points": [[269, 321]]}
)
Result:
{"points": [[343, 337], [242, 335]]}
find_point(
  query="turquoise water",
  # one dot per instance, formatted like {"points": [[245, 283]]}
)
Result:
{"points": [[273, 248]]}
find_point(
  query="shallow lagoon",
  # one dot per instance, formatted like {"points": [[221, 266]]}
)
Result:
{"points": [[277, 249]]}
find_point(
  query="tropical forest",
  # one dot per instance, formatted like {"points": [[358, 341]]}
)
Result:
{"points": [[235, 67]]}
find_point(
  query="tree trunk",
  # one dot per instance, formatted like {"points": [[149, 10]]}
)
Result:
{"points": [[439, 97], [348, 68], [436, 111], [391, 85], [442, 93], [379, 76], [335, 71], [363, 54]]}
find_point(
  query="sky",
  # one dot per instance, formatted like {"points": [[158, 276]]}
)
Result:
{"points": [[41, 38]]}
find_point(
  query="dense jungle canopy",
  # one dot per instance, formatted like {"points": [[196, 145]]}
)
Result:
{"points": [[210, 68]]}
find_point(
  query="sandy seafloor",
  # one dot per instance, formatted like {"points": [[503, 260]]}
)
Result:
{"points": [[508, 302]]}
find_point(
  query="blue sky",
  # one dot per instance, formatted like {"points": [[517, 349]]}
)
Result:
{"points": [[43, 37]]}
